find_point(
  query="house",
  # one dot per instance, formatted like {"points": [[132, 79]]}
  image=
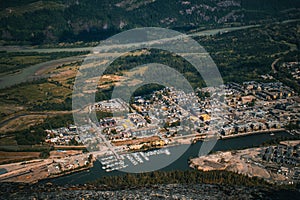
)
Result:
{"points": [[228, 130], [205, 117], [247, 99]]}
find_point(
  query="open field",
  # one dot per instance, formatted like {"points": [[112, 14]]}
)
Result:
{"points": [[22, 122], [8, 140], [9, 109], [29, 105], [61, 154], [16, 64], [7, 157], [35, 94]]}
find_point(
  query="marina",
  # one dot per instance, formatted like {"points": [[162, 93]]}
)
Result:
{"points": [[181, 163], [112, 163]]}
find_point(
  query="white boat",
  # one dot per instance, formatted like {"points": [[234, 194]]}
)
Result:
{"points": [[144, 156], [167, 152]]}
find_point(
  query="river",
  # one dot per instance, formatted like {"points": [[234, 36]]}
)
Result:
{"points": [[29, 73], [181, 163]]}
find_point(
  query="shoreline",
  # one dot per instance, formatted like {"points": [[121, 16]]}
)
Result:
{"points": [[228, 139], [252, 133], [86, 168], [65, 173]]}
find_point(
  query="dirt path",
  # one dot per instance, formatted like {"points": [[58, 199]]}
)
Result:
{"points": [[273, 65]]}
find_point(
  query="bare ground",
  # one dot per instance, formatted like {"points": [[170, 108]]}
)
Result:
{"points": [[243, 161]]}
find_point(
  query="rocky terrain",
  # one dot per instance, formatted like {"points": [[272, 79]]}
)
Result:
{"points": [[171, 191]]}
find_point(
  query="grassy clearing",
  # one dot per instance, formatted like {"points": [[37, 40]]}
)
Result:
{"points": [[8, 140], [35, 94], [6, 109], [41, 99], [11, 157], [65, 75], [12, 62], [22, 122]]}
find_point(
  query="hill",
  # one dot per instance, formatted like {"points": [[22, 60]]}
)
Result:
{"points": [[53, 21]]}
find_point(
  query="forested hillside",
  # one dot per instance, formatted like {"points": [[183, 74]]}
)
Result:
{"points": [[53, 21]]}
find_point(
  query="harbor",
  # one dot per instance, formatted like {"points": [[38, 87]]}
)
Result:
{"points": [[181, 163], [112, 163]]}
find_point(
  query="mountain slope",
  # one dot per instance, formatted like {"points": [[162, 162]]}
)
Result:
{"points": [[37, 22]]}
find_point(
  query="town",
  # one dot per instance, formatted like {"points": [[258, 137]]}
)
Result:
{"points": [[154, 123], [169, 116]]}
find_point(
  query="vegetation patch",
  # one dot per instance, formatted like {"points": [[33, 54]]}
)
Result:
{"points": [[179, 177], [13, 62]]}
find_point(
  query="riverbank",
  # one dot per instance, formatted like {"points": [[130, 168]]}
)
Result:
{"points": [[84, 168], [95, 170], [253, 162], [252, 132], [181, 163], [34, 72], [58, 164]]}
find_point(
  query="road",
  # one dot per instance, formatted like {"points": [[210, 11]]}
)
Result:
{"points": [[28, 73], [273, 65]]}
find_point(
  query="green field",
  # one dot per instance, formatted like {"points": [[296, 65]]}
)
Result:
{"points": [[13, 62]]}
